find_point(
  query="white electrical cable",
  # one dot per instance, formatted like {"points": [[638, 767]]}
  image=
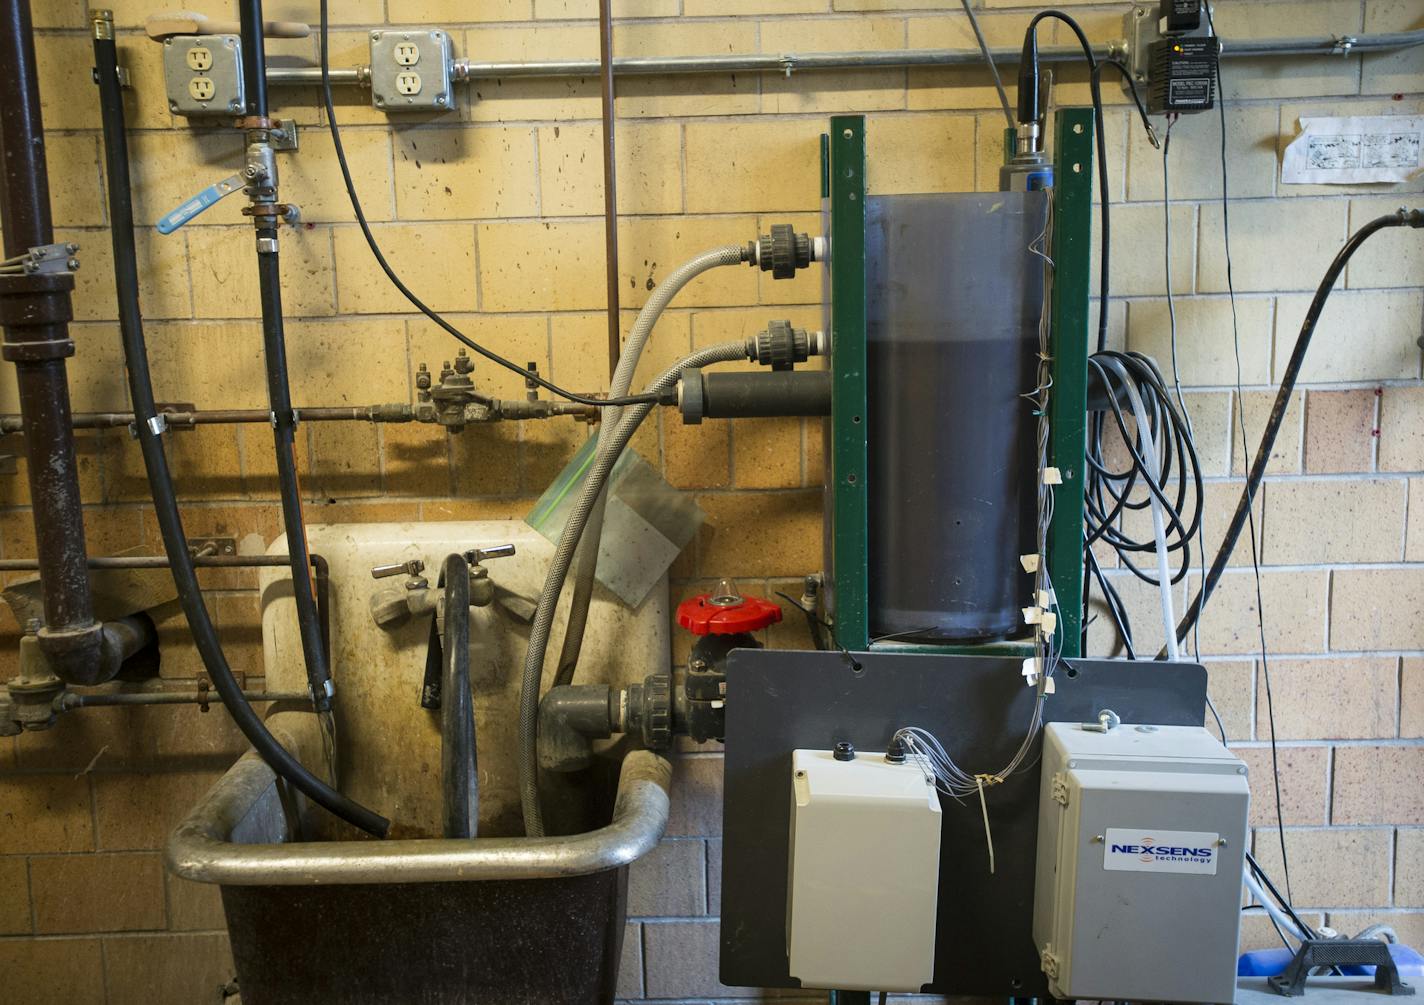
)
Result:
{"points": [[1282, 920], [1159, 527]]}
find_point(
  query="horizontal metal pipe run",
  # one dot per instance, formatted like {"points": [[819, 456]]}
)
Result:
{"points": [[789, 63], [72, 701], [206, 849], [161, 562], [230, 416]]}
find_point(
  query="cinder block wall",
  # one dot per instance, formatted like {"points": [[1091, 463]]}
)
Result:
{"points": [[492, 214]]}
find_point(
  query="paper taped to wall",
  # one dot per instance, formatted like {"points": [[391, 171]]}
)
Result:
{"points": [[1355, 149]]}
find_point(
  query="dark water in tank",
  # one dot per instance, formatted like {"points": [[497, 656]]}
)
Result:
{"points": [[953, 305]]}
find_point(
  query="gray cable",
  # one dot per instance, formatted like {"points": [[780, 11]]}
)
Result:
{"points": [[989, 59], [532, 679], [587, 557]]}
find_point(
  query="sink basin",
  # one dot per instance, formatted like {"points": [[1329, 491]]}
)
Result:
{"points": [[318, 912]]}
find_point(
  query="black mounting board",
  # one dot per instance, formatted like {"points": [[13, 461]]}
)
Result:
{"points": [[978, 707]]}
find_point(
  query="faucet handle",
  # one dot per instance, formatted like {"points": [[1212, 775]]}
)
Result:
{"points": [[412, 568], [477, 555]]}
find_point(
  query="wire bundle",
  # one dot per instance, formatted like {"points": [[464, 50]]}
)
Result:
{"points": [[1161, 474]]}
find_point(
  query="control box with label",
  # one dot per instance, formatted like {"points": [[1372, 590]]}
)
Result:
{"points": [[863, 888], [1141, 839]]}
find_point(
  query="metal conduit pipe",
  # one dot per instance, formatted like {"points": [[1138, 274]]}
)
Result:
{"points": [[160, 480], [543, 622], [622, 381], [71, 701], [789, 63], [35, 311], [392, 413]]}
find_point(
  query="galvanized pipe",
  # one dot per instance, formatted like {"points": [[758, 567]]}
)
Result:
{"points": [[203, 847], [71, 701], [35, 311], [789, 63]]}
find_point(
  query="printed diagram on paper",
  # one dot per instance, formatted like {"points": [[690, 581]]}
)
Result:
{"points": [[1351, 150]]}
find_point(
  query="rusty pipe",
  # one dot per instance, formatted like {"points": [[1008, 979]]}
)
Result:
{"points": [[35, 311]]}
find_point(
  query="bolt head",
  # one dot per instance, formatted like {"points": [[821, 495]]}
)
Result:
{"points": [[376, 36], [848, 133]]}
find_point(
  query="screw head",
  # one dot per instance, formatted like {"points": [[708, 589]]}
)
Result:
{"points": [[376, 36], [848, 133]]}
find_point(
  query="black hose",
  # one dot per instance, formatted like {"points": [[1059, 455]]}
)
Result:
{"points": [[170, 524], [279, 393], [459, 776], [1401, 218]]}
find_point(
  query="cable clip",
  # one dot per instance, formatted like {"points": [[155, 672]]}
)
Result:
{"points": [[1343, 45], [157, 425], [1052, 476], [1029, 562], [788, 63]]}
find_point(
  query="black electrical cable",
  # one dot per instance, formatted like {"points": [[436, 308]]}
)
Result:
{"points": [[531, 376], [170, 524]]}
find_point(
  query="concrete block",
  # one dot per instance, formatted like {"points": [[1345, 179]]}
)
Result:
{"points": [[479, 172], [670, 881], [1378, 785], [1311, 522], [97, 893], [1376, 608], [1341, 430], [1331, 698], [1337, 867], [1360, 336]]}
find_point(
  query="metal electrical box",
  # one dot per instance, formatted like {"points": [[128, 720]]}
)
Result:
{"points": [[864, 875], [411, 70], [203, 75], [1141, 838]]}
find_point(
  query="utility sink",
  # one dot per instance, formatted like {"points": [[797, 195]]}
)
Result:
{"points": [[318, 912]]}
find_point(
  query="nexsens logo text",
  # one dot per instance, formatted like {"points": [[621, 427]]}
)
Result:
{"points": [[1162, 851]]}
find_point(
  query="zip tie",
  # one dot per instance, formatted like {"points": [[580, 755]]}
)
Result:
{"points": [[1032, 615], [1045, 599], [1048, 623], [1031, 670], [1052, 476], [1029, 562], [984, 805]]}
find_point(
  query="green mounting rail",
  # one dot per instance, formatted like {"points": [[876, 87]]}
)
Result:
{"points": [[847, 514]]}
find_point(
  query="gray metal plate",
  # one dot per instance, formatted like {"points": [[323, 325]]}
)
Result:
{"points": [[978, 707]]}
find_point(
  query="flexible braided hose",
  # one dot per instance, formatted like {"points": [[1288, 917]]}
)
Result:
{"points": [[587, 556], [529, 686]]}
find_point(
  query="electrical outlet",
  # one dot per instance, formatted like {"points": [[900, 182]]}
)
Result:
{"points": [[203, 75], [396, 85]]}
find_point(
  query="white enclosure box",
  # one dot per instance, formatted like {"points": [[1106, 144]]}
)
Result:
{"points": [[864, 876], [1141, 838]]}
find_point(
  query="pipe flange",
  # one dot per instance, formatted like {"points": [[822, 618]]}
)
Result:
{"points": [[657, 711]]}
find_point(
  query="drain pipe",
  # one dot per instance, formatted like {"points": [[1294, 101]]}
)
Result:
{"points": [[149, 429], [260, 171], [35, 311]]}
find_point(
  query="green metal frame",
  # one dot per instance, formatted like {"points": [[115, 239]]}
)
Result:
{"points": [[847, 510]]}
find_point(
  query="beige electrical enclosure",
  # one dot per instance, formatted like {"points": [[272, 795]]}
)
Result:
{"points": [[864, 877]]}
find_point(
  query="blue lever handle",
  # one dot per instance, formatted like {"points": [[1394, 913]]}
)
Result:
{"points": [[207, 197]]}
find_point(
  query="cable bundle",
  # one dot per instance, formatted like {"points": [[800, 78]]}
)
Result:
{"points": [[1162, 475]]}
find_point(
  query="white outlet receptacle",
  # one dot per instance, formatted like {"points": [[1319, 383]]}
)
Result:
{"points": [[201, 88], [407, 53], [200, 58], [408, 83]]}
